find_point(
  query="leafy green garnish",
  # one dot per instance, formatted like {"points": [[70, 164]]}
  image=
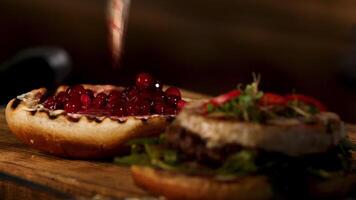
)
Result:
{"points": [[210, 108], [142, 141], [347, 144], [133, 159], [321, 173], [170, 156], [153, 152], [251, 106], [244, 107], [242, 162]]}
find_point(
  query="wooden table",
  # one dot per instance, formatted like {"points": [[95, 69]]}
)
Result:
{"points": [[28, 174]]}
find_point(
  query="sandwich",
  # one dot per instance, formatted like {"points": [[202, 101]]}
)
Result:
{"points": [[247, 144]]}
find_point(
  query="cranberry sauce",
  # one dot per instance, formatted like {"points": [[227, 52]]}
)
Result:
{"points": [[146, 97]]}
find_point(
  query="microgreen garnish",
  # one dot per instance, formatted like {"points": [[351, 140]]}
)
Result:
{"points": [[243, 106], [252, 105]]}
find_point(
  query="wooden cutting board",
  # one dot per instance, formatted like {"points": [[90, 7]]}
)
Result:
{"points": [[28, 174]]}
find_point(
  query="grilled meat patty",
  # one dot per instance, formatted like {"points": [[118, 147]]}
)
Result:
{"points": [[194, 147], [289, 136]]}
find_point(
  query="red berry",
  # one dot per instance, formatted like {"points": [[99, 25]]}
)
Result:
{"points": [[180, 104], [132, 109], [73, 105], [112, 107], [145, 108], [133, 95], [120, 110], [145, 95], [159, 96], [85, 99], [75, 90], [114, 96], [50, 103], [172, 100], [159, 108], [173, 91], [170, 111], [100, 100], [144, 80], [130, 93], [90, 93], [61, 99]]}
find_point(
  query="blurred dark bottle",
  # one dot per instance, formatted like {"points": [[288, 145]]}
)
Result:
{"points": [[89, 30], [33, 68]]}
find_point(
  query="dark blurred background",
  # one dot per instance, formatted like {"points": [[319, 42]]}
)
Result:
{"points": [[203, 45]]}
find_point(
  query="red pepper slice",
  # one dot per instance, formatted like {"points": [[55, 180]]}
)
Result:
{"points": [[308, 100], [221, 99], [272, 99]]}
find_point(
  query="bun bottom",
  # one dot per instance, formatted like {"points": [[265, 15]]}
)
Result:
{"points": [[335, 188], [176, 186], [179, 186], [83, 139]]}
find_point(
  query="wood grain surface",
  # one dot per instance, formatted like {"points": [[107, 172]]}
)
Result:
{"points": [[28, 174], [57, 177]]}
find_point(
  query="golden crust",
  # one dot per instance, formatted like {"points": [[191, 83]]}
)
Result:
{"points": [[84, 138], [179, 186], [334, 188]]}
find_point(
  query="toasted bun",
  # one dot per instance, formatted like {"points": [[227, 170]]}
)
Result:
{"points": [[288, 136], [334, 188], [179, 186], [79, 137]]}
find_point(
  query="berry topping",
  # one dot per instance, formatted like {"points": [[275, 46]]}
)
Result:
{"points": [[173, 91], [61, 99], [133, 109], [144, 98], [158, 96], [145, 108], [172, 100], [100, 100], [89, 93], [120, 110], [170, 111], [114, 96], [159, 108], [85, 99], [144, 81], [50, 103], [181, 103], [75, 90], [73, 105]]}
